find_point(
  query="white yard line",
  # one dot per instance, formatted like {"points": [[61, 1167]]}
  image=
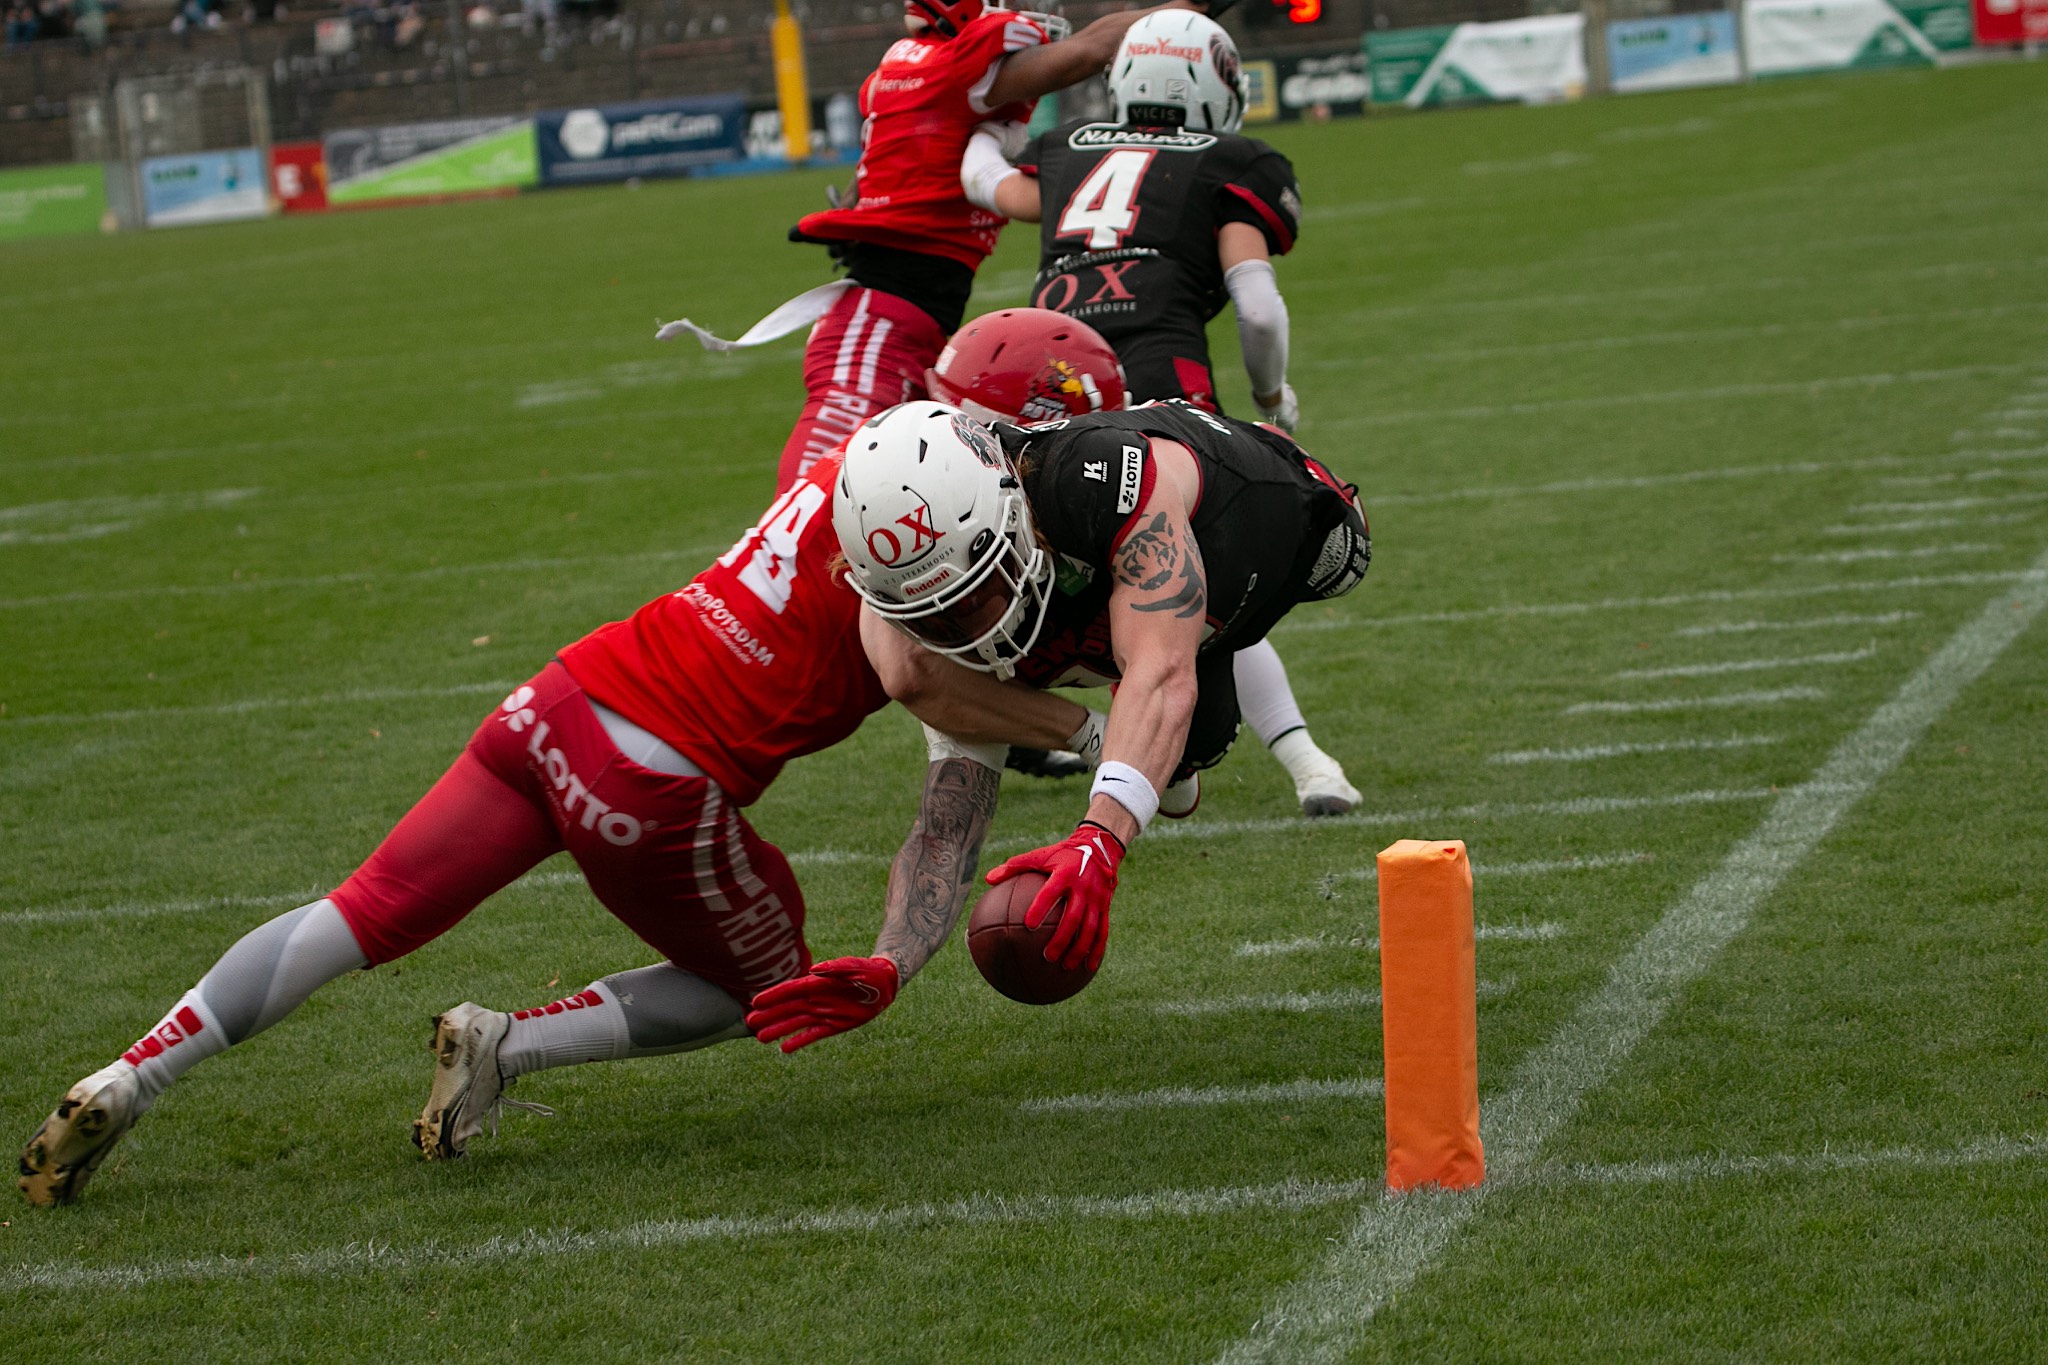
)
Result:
{"points": [[1588, 752], [1706, 394], [252, 704], [979, 1210], [1949, 504], [1310, 943], [1533, 867], [1679, 599], [1296, 1002], [1199, 1097], [306, 581], [1421, 816], [1889, 527], [1319, 1317], [1840, 656], [1724, 699], [1884, 552], [1614, 483], [550, 877], [1847, 618]]}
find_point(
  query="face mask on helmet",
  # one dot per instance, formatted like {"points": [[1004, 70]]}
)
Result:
{"points": [[1178, 69], [937, 535], [1027, 365]]}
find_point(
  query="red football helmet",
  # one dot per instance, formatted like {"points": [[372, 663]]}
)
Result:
{"points": [[943, 17], [1027, 365]]}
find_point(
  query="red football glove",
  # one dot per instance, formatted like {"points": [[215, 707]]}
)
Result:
{"points": [[1081, 870], [830, 998]]}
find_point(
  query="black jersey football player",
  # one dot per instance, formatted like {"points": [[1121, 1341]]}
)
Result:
{"points": [[1144, 547], [1149, 225]]}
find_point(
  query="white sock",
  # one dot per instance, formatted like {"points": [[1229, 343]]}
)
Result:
{"points": [[1303, 760], [182, 1039], [588, 1026], [1264, 695]]}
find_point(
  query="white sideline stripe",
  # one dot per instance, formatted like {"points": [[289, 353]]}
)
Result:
{"points": [[1319, 1317], [249, 704], [1681, 599], [1593, 751], [1850, 618], [1617, 482], [1308, 943], [1840, 656], [143, 909], [1712, 393], [1297, 1002], [1910, 524], [1195, 1097], [1427, 815], [980, 1210], [1950, 504], [366, 576], [1630, 708], [1535, 867], [1883, 552]]}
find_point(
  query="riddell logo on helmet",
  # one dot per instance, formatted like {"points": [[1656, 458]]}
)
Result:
{"points": [[1162, 48], [907, 540]]}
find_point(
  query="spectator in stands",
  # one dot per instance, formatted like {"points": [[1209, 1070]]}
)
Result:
{"points": [[89, 21], [53, 19], [21, 24]]}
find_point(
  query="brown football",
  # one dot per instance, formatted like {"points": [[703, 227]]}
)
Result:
{"points": [[1011, 957]]}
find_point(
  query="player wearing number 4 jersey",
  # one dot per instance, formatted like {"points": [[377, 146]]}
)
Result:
{"points": [[634, 751]]}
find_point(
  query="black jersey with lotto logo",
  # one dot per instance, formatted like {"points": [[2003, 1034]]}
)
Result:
{"points": [[1273, 526], [1128, 238]]}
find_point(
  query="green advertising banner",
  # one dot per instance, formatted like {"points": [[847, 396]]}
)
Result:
{"points": [[1397, 58], [1948, 24], [45, 201], [501, 158]]}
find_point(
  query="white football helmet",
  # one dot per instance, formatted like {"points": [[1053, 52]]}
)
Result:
{"points": [[937, 535], [1178, 68]]}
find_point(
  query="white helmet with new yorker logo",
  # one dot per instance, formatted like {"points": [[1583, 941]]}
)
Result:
{"points": [[1178, 69], [937, 535]]}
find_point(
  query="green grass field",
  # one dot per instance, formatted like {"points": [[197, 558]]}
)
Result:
{"points": [[1705, 438]]}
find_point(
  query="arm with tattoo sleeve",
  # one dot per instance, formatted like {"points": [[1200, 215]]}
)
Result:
{"points": [[927, 888]]}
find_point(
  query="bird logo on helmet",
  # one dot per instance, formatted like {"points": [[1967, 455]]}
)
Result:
{"points": [[936, 531], [1027, 365]]}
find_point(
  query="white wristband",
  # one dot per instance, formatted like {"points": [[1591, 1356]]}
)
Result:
{"points": [[1129, 788]]}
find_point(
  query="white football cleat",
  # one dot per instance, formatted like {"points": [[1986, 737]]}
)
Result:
{"points": [[77, 1136], [468, 1086], [1323, 790], [1180, 798]]}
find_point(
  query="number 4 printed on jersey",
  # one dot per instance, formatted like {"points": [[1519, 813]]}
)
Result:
{"points": [[771, 574], [1105, 206]]}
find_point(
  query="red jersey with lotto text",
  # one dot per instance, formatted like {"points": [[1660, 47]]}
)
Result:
{"points": [[922, 104], [756, 662]]}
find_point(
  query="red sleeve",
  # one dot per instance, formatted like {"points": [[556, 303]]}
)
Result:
{"points": [[972, 58]]}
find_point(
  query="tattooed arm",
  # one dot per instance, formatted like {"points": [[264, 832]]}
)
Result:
{"points": [[929, 881], [1158, 607]]}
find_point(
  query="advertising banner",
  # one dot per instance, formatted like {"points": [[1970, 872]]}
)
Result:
{"points": [[2011, 21], [1311, 85], [1945, 23], [1788, 37], [298, 177], [1673, 53], [647, 138], [46, 201], [1533, 60], [1396, 59], [430, 160], [204, 187]]}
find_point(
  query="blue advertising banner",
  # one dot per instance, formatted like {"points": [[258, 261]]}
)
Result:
{"points": [[646, 138], [204, 187], [1673, 52]]}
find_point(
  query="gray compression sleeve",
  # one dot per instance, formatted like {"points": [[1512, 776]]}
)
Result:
{"points": [[274, 967], [669, 1010]]}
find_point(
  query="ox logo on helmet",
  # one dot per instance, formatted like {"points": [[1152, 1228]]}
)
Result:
{"points": [[907, 539]]}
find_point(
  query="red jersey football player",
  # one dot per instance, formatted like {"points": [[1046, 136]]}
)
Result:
{"points": [[908, 239], [634, 751]]}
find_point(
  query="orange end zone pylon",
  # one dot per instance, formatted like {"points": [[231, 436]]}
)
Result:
{"points": [[1430, 1007]]}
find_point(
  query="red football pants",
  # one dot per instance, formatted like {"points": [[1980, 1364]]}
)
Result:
{"points": [[868, 353], [672, 857]]}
